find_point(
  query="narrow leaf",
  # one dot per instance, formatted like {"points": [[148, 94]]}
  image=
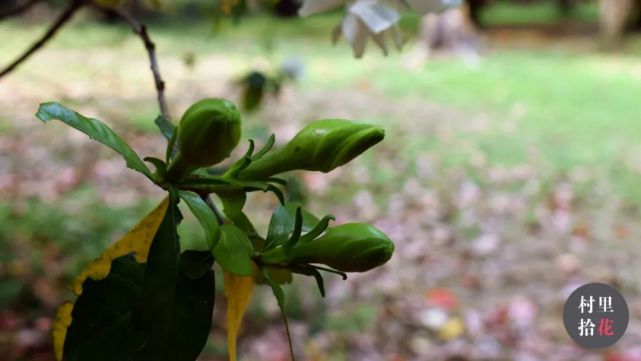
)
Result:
{"points": [[160, 282], [168, 130], [204, 215], [238, 291], [280, 298], [96, 130], [166, 127]]}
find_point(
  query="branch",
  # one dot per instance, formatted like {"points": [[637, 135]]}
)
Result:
{"points": [[141, 31], [212, 205], [62, 20], [18, 9]]}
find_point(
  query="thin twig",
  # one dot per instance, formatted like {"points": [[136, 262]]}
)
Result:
{"points": [[141, 31], [18, 9], [62, 20], [212, 205]]}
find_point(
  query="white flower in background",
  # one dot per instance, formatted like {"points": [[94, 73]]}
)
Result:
{"points": [[376, 19]]}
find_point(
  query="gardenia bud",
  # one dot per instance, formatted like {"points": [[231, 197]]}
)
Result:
{"points": [[321, 146], [351, 247], [208, 132]]}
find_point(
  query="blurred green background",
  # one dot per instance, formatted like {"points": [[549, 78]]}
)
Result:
{"points": [[507, 178]]}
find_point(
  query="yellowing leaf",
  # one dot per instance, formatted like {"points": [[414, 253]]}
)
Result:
{"points": [[137, 241], [238, 291], [60, 326]]}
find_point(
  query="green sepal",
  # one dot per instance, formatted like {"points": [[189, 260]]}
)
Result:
{"points": [[283, 221], [266, 148], [310, 271]]}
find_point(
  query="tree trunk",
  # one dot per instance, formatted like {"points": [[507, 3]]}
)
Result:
{"points": [[613, 16], [474, 10], [451, 30]]}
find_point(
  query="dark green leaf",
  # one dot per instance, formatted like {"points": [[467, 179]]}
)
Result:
{"points": [[176, 309], [204, 215], [195, 264], [102, 328], [192, 305], [234, 251], [96, 130], [161, 279]]}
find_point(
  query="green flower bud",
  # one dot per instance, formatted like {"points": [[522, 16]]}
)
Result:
{"points": [[321, 146], [208, 132], [351, 247]]}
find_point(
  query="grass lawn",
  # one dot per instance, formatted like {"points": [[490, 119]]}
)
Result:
{"points": [[576, 106]]}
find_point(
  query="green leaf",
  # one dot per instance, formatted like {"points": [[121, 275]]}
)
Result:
{"points": [[168, 130], [204, 215], [195, 264], [176, 308], [234, 251], [96, 130], [233, 202], [166, 127], [189, 320], [102, 328], [280, 298], [161, 279]]}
